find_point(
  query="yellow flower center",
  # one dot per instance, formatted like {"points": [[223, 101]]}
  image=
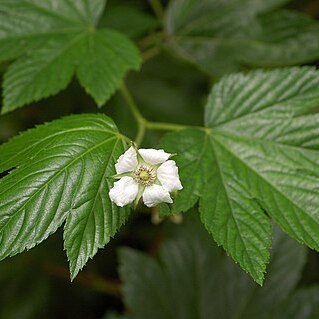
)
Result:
{"points": [[145, 175]]}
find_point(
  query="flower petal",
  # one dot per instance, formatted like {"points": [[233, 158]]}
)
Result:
{"points": [[153, 157], [167, 174], [124, 191], [156, 194], [127, 162]]}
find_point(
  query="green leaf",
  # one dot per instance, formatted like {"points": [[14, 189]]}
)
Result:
{"points": [[34, 77], [26, 24], [54, 40], [60, 172], [227, 209], [105, 57], [190, 278], [224, 36], [257, 156]]}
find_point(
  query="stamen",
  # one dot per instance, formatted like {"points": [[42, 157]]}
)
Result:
{"points": [[145, 175]]}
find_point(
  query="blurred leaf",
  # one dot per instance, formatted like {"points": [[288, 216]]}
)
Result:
{"points": [[25, 292], [115, 316], [256, 156], [301, 305], [192, 279], [280, 37], [53, 40], [182, 12], [128, 20], [60, 173], [222, 36]]}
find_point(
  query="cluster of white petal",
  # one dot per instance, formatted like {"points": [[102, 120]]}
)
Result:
{"points": [[129, 189]]}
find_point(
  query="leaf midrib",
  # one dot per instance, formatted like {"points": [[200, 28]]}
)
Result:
{"points": [[252, 266], [79, 13], [93, 205]]}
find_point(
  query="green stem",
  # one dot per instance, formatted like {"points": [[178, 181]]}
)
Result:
{"points": [[157, 8], [150, 53], [131, 103], [165, 126], [140, 120], [152, 39], [143, 124], [140, 135]]}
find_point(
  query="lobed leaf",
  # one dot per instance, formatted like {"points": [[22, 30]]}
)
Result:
{"points": [[227, 209], [257, 157], [52, 41], [60, 172], [28, 24]]}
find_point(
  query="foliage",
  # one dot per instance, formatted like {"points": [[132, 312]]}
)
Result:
{"points": [[191, 278], [223, 36], [256, 156], [62, 175], [248, 160], [45, 36]]}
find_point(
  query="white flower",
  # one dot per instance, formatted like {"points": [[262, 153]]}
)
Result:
{"points": [[145, 173]]}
